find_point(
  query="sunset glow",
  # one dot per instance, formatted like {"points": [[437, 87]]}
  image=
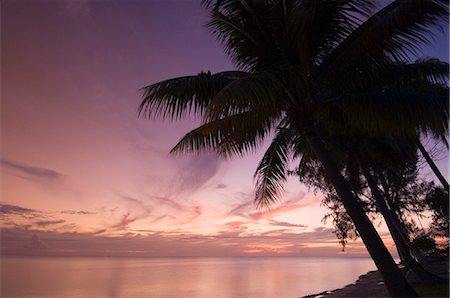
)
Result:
{"points": [[82, 175]]}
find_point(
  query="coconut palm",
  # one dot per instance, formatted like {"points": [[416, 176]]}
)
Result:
{"points": [[366, 157], [433, 166], [302, 69]]}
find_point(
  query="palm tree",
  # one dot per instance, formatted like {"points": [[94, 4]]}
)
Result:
{"points": [[433, 166], [368, 157], [400, 237], [299, 62]]}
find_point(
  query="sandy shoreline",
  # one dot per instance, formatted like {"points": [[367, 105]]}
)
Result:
{"points": [[371, 284], [368, 285]]}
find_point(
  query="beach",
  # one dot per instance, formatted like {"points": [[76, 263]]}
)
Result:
{"points": [[368, 285], [371, 284]]}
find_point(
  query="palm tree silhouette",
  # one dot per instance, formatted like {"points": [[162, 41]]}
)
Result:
{"points": [[304, 68]]}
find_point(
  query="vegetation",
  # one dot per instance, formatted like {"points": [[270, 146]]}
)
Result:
{"points": [[309, 73]]}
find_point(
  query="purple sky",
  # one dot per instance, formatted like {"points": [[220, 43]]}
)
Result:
{"points": [[79, 167]]}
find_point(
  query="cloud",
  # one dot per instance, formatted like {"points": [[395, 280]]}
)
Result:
{"points": [[285, 206], [37, 243], [124, 222], [30, 170], [81, 212], [188, 213], [44, 223], [221, 186], [147, 210], [29, 219], [241, 209], [278, 247], [197, 212], [285, 224], [321, 241], [159, 218], [7, 209], [235, 224], [195, 172], [168, 202], [98, 232], [244, 210]]}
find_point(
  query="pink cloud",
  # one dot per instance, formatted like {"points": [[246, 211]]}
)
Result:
{"points": [[243, 210], [235, 224], [16, 241], [168, 202], [124, 222], [240, 209], [272, 247], [197, 212]]}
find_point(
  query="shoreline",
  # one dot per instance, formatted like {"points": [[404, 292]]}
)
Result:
{"points": [[371, 284], [367, 285]]}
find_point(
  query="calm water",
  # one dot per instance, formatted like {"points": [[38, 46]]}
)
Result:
{"points": [[177, 277]]}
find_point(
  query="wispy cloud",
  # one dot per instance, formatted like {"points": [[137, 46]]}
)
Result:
{"points": [[7, 209], [187, 213], [245, 211], [235, 224], [286, 206], [132, 243], [124, 222], [162, 217], [30, 170], [242, 208], [168, 202], [80, 212], [194, 173], [37, 243], [144, 207], [27, 218], [285, 224], [197, 212], [44, 223]]}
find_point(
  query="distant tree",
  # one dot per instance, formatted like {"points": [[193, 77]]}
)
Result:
{"points": [[438, 203], [373, 199], [425, 244]]}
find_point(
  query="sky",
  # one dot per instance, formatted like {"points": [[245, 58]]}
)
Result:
{"points": [[81, 174]]}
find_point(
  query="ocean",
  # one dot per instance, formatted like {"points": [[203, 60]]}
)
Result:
{"points": [[177, 277]]}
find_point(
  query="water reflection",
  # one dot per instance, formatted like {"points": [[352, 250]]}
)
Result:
{"points": [[177, 277]]}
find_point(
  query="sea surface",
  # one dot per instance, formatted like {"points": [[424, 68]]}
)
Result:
{"points": [[177, 277]]}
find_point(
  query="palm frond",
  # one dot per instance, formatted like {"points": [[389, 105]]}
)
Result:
{"points": [[176, 98], [271, 172], [396, 32], [248, 38], [230, 136], [315, 28], [396, 112], [263, 91], [423, 72]]}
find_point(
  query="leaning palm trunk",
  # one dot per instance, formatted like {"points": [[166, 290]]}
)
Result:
{"points": [[433, 166], [396, 233], [395, 282], [403, 233]]}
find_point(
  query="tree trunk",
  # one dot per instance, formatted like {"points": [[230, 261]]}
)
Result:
{"points": [[394, 280], [399, 226], [402, 248], [433, 166]]}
